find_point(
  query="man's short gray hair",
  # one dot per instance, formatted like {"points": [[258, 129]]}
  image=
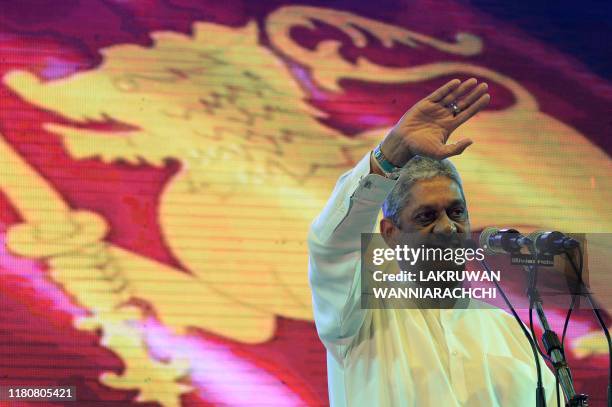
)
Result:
{"points": [[418, 168]]}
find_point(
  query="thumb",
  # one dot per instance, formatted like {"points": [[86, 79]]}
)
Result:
{"points": [[456, 148]]}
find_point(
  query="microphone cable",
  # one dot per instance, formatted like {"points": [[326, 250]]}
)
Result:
{"points": [[573, 303], [540, 397], [595, 308], [532, 284]]}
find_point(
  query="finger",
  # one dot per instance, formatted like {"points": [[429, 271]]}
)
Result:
{"points": [[449, 150], [444, 90], [458, 92], [473, 96], [474, 108]]}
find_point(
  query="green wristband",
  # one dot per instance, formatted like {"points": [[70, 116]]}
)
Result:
{"points": [[387, 166]]}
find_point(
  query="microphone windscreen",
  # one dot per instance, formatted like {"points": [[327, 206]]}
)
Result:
{"points": [[552, 242], [484, 240]]}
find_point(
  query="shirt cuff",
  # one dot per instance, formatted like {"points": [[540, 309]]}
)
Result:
{"points": [[371, 187]]}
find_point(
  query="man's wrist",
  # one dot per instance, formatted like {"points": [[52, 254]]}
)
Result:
{"points": [[376, 168], [394, 149]]}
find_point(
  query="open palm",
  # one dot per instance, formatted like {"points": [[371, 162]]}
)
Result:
{"points": [[426, 127]]}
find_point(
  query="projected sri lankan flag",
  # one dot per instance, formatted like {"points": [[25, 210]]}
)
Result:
{"points": [[160, 163]]}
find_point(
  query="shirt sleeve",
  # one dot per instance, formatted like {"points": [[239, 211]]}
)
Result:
{"points": [[334, 246]]}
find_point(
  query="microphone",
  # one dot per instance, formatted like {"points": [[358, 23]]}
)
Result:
{"points": [[552, 242], [501, 241]]}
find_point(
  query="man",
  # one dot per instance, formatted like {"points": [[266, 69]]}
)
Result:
{"points": [[412, 357]]}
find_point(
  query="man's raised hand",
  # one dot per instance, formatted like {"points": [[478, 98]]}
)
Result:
{"points": [[425, 128]]}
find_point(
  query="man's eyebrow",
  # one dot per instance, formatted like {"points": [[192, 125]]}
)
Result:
{"points": [[423, 207], [455, 202]]}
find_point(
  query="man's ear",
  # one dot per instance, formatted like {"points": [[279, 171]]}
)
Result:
{"points": [[389, 231]]}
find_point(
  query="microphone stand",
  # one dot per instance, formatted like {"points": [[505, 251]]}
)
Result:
{"points": [[552, 344]]}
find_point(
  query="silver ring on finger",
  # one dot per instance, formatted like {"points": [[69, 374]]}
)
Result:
{"points": [[455, 110]]}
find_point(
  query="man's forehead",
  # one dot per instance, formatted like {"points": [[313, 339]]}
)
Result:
{"points": [[437, 191]]}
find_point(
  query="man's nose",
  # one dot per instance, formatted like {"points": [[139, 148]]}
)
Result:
{"points": [[445, 225]]}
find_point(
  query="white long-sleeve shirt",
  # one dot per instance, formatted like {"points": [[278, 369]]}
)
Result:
{"points": [[406, 357]]}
